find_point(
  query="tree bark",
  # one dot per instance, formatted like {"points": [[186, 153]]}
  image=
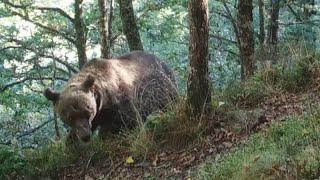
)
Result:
{"points": [[198, 93], [272, 38], [246, 37], [262, 34], [129, 25], [80, 33], [104, 29], [274, 22], [110, 25]]}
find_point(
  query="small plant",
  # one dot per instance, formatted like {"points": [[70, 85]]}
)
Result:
{"points": [[48, 160], [244, 94], [13, 164]]}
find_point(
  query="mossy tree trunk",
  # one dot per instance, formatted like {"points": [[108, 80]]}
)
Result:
{"points": [[198, 93], [129, 25], [246, 38], [80, 33]]}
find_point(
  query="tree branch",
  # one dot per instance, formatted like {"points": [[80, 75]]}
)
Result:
{"points": [[233, 21], [51, 30], [222, 38], [55, 9], [58, 10], [302, 22], [7, 86], [67, 65], [294, 13], [28, 132], [26, 18]]}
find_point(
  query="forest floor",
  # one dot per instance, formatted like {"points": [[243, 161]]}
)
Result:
{"points": [[182, 162]]}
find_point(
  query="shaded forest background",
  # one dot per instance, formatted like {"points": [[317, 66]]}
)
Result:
{"points": [[273, 44]]}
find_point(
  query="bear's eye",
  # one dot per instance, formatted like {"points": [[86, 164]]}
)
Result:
{"points": [[74, 108], [88, 108]]}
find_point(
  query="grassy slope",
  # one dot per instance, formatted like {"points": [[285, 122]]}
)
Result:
{"points": [[289, 149]]}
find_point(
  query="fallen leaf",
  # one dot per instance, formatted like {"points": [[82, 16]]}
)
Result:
{"points": [[227, 144], [129, 160], [87, 177]]}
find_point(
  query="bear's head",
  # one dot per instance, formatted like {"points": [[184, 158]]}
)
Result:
{"points": [[76, 106]]}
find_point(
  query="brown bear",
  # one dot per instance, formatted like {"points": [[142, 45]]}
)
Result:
{"points": [[113, 93]]}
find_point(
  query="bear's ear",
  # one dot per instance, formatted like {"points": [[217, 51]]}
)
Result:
{"points": [[50, 95], [89, 81]]}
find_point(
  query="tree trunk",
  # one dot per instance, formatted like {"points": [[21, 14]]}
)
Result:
{"points": [[80, 33], [198, 93], [274, 22], [262, 35], [129, 25], [245, 19], [272, 38], [110, 25], [104, 29]]}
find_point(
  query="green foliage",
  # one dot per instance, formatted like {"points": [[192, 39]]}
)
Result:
{"points": [[293, 144], [49, 159], [293, 72], [250, 93], [12, 163]]}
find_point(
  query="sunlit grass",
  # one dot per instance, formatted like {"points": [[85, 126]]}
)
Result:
{"points": [[286, 149]]}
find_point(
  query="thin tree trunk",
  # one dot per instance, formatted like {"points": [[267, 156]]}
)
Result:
{"points": [[245, 19], [104, 29], [110, 25], [198, 93], [262, 34], [129, 25], [274, 22], [272, 38], [80, 33]]}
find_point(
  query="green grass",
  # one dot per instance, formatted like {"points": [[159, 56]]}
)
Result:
{"points": [[12, 163], [49, 161], [290, 148]]}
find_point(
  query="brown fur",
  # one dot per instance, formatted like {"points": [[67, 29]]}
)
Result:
{"points": [[112, 93]]}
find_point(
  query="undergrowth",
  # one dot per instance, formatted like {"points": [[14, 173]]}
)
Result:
{"points": [[289, 149], [292, 74]]}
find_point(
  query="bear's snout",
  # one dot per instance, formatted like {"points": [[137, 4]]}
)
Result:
{"points": [[83, 131]]}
